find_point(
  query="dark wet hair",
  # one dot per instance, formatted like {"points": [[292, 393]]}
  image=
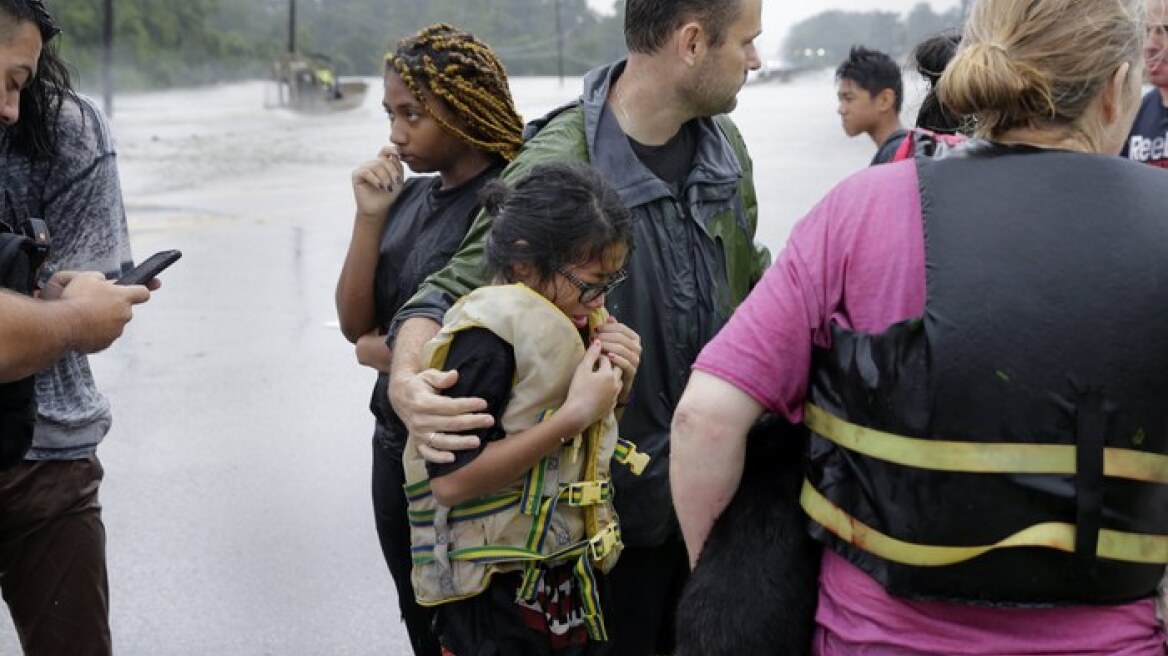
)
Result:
{"points": [[34, 134], [557, 214], [873, 71], [466, 75], [648, 23], [932, 56]]}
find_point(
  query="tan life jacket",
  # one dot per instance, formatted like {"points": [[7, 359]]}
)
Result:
{"points": [[561, 511]]}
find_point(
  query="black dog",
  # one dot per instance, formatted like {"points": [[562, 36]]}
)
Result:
{"points": [[755, 587]]}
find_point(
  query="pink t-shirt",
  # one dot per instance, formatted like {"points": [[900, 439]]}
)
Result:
{"points": [[858, 259]]}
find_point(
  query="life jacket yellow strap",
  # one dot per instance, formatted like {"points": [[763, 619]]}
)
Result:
{"points": [[594, 548], [540, 524], [417, 491], [1112, 545], [531, 497], [423, 555], [475, 509], [590, 599], [533, 484], [626, 454], [531, 576], [978, 457], [579, 494]]}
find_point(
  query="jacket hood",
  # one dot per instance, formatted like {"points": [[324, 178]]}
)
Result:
{"points": [[608, 149]]}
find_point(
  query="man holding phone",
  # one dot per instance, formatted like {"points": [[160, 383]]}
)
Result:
{"points": [[77, 311], [57, 162]]}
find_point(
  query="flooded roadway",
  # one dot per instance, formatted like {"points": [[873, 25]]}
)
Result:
{"points": [[237, 471]]}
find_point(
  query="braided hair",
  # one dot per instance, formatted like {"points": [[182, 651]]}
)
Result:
{"points": [[465, 74]]}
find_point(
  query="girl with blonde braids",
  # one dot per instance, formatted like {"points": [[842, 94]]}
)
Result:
{"points": [[451, 115]]}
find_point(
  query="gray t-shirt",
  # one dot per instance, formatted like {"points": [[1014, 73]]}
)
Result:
{"points": [[79, 196]]}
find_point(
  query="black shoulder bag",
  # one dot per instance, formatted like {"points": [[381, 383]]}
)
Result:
{"points": [[23, 248]]}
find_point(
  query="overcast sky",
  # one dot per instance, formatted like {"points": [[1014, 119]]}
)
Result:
{"points": [[779, 15]]}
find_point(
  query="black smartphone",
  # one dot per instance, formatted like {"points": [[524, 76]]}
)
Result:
{"points": [[149, 270]]}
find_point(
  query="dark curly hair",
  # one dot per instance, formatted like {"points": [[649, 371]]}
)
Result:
{"points": [[931, 57], [34, 135], [558, 214]]}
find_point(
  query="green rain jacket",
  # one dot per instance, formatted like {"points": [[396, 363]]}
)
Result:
{"points": [[694, 260]]}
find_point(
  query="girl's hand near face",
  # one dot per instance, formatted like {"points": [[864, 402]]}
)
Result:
{"points": [[594, 387], [622, 347], [377, 183]]}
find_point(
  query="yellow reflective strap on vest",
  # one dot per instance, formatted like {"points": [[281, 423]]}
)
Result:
{"points": [[579, 494], [594, 548], [978, 457], [626, 454], [601, 543], [417, 491], [590, 599], [533, 484], [488, 554], [526, 590], [470, 510], [540, 524], [531, 498], [1113, 545]]}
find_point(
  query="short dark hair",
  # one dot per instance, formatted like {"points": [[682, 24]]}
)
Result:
{"points": [[558, 214], [648, 23], [873, 71], [34, 134]]}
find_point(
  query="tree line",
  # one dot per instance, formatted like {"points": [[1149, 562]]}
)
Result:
{"points": [[826, 38], [163, 43]]}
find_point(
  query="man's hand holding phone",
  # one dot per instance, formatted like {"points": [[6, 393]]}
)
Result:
{"points": [[99, 309]]}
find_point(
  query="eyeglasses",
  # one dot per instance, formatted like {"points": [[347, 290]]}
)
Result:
{"points": [[590, 291]]}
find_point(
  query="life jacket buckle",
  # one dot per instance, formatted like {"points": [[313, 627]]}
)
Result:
{"points": [[604, 542], [626, 454], [588, 493]]}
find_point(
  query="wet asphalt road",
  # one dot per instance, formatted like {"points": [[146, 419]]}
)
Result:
{"points": [[237, 471]]}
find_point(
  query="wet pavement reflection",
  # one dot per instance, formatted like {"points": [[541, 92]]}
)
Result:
{"points": [[237, 471]]}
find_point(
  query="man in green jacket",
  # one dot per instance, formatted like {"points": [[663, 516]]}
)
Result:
{"points": [[653, 126]]}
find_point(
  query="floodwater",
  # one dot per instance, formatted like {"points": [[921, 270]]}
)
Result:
{"points": [[237, 471]]}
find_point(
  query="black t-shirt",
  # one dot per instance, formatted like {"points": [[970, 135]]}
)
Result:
{"points": [[1148, 140], [672, 160], [888, 149], [425, 227], [486, 369]]}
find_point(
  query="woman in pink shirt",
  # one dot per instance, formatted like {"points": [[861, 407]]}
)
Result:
{"points": [[975, 344]]}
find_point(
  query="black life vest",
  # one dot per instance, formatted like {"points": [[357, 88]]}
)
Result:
{"points": [[1009, 446], [22, 251]]}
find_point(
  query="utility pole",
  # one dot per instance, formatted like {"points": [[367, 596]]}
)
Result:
{"points": [[291, 27], [107, 59], [559, 44]]}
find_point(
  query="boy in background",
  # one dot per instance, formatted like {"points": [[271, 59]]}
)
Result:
{"points": [[870, 95]]}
